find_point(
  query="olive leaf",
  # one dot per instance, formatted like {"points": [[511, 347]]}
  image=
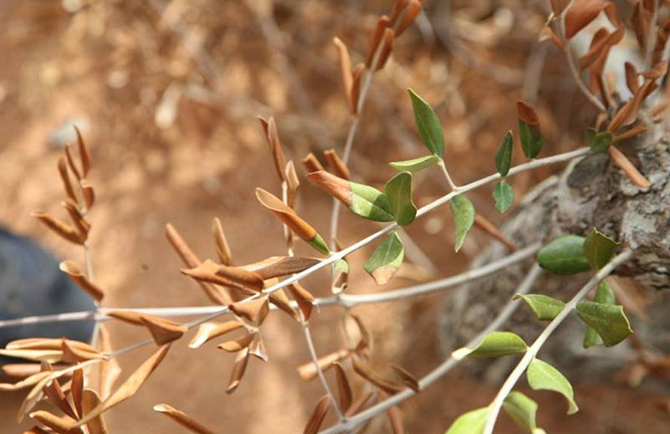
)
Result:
{"points": [[493, 344], [598, 142], [564, 255], [415, 164], [399, 193], [522, 410], [472, 422], [463, 212], [503, 157], [542, 376], [604, 294], [428, 124], [503, 195], [544, 307], [386, 260], [608, 320], [598, 249], [529, 129]]}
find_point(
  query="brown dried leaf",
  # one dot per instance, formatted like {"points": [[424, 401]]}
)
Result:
{"points": [[257, 348], [109, 370], [91, 400], [335, 186], [307, 371], [210, 330], [301, 228], [581, 13], [304, 299], [277, 266], [238, 344], [292, 183], [359, 403], [387, 48], [222, 248], [659, 70], [628, 168], [70, 162], [318, 415], [373, 378], [601, 44], [27, 382], [211, 272], [237, 373], [640, 23], [182, 419], [130, 386], [413, 10], [632, 77], [547, 33], [77, 219], [65, 178], [311, 163], [628, 113], [395, 418], [485, 225], [343, 387], [63, 425], [356, 88], [558, 6], [78, 277], [55, 394], [345, 68], [84, 154], [254, 311], [59, 227], [336, 164], [279, 299], [406, 378], [46, 344], [88, 193], [77, 391], [527, 113], [73, 354], [382, 24], [51, 356], [637, 129], [270, 129], [162, 330]]}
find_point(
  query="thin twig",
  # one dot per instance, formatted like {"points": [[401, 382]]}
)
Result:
{"points": [[532, 351]]}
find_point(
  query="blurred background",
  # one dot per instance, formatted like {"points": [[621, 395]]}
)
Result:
{"points": [[167, 94]]}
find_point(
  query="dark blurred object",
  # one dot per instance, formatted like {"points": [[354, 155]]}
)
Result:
{"points": [[31, 284]]}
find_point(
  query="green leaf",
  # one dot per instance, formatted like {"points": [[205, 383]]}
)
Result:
{"points": [[599, 142], [544, 307], [399, 193], [503, 157], [386, 259], [503, 195], [522, 410], [472, 422], [531, 139], [542, 376], [564, 255], [604, 294], [608, 320], [416, 164], [598, 249], [370, 203], [494, 344], [319, 244], [428, 125], [463, 213]]}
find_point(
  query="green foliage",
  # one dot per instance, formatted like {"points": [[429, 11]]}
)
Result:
{"points": [[564, 255], [319, 244], [428, 124], [503, 195], [598, 249], [494, 344], [604, 294], [608, 320], [522, 410], [542, 376], [386, 259], [370, 203], [503, 157], [472, 422], [599, 142], [416, 164], [544, 307], [399, 193], [463, 212], [531, 139]]}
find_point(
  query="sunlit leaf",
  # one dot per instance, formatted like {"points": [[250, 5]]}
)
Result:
{"points": [[503, 195], [564, 255], [428, 124], [463, 212], [608, 320], [598, 249], [399, 193], [503, 157], [472, 422], [522, 410], [544, 307], [386, 259], [542, 376], [494, 344], [415, 164]]}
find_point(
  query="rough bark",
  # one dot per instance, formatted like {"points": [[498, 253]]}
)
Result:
{"points": [[590, 192]]}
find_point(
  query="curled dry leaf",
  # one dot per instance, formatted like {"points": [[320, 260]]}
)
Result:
{"points": [[73, 354], [59, 227], [90, 400], [230, 277], [239, 368], [279, 299], [336, 164], [343, 387], [292, 184], [484, 224], [254, 311], [238, 344], [356, 88], [628, 113], [62, 425], [307, 371], [375, 379], [628, 168], [109, 370], [55, 395], [210, 330], [46, 344], [395, 418], [27, 382], [659, 70], [278, 266], [129, 387], [600, 46], [88, 193], [382, 24], [632, 80], [191, 260], [77, 391], [162, 330], [78, 277], [318, 415], [359, 403], [78, 220], [311, 163], [580, 15], [270, 128], [240, 277], [222, 248], [182, 419], [387, 48], [84, 155], [127, 316], [345, 70], [304, 299], [65, 178], [547, 33], [257, 348], [70, 162], [412, 11], [406, 378], [637, 129]]}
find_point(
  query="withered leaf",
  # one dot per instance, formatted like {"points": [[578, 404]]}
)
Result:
{"points": [[210, 330], [109, 370], [211, 272], [292, 184], [311, 163], [279, 299], [356, 88], [387, 47], [65, 178], [55, 394], [84, 154], [51, 356], [278, 266], [304, 299], [406, 378], [222, 248], [359, 403], [61, 228], [412, 11], [373, 378], [78, 277], [345, 69], [336, 164], [580, 14], [62, 425], [163, 330], [270, 129], [382, 24], [77, 391], [628, 168], [27, 382], [343, 387], [77, 218], [182, 419], [91, 400], [238, 344], [307, 371], [88, 192], [318, 415], [237, 373], [130, 386], [257, 348], [253, 311]]}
